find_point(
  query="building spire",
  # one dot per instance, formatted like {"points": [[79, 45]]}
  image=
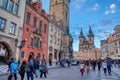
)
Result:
{"points": [[90, 32], [81, 33]]}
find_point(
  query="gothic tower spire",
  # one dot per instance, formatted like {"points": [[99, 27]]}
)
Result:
{"points": [[81, 33], [90, 34]]}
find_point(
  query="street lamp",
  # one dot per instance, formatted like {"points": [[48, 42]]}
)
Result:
{"points": [[22, 43]]}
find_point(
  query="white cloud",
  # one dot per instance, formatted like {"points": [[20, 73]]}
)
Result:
{"points": [[79, 3], [112, 6], [112, 9], [95, 7], [107, 12]]}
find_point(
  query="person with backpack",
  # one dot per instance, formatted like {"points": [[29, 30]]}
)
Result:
{"points": [[43, 69], [30, 70], [22, 70], [13, 70], [109, 65]]}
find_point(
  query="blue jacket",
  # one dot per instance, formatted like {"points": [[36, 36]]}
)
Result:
{"points": [[14, 67], [109, 64]]}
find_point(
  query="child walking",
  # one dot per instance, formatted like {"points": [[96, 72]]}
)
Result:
{"points": [[82, 68]]}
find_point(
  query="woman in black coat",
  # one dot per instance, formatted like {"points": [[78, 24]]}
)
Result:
{"points": [[22, 70]]}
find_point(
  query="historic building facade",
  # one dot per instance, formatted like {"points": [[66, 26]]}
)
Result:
{"points": [[84, 43], [35, 32], [87, 50], [54, 40], [104, 49], [88, 54], [117, 41], [61, 9], [11, 26], [113, 44]]}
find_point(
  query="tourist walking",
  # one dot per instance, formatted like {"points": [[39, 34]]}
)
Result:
{"points": [[104, 65], [22, 70], [30, 70], [82, 68], [88, 67], [9, 63], [43, 69], [99, 65], [13, 70], [94, 65], [109, 65]]}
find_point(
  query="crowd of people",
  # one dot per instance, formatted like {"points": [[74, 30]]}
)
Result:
{"points": [[106, 65], [39, 68], [31, 68]]}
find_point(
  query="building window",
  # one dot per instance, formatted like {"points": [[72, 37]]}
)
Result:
{"points": [[10, 6], [2, 23], [4, 3], [35, 42], [28, 18], [35, 20], [12, 28], [116, 50], [45, 26], [40, 25], [51, 28], [116, 43], [50, 48], [51, 38], [16, 9], [22, 54], [40, 44], [43, 56], [55, 41], [31, 42]]}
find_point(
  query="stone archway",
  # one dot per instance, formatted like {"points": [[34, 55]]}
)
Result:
{"points": [[5, 52], [31, 56], [50, 59]]}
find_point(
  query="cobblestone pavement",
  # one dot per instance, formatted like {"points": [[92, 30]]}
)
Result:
{"points": [[74, 74]]}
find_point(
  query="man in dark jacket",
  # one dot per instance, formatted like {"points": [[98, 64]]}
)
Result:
{"points": [[44, 69], [30, 69]]}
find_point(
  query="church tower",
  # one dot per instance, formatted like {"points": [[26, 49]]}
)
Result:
{"points": [[61, 9], [90, 36], [81, 40]]}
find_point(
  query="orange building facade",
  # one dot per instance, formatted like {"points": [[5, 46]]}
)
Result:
{"points": [[35, 32]]}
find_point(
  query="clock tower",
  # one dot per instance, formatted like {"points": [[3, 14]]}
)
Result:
{"points": [[61, 9]]}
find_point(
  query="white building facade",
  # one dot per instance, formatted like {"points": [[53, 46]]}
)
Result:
{"points": [[104, 49], [11, 26], [54, 40]]}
